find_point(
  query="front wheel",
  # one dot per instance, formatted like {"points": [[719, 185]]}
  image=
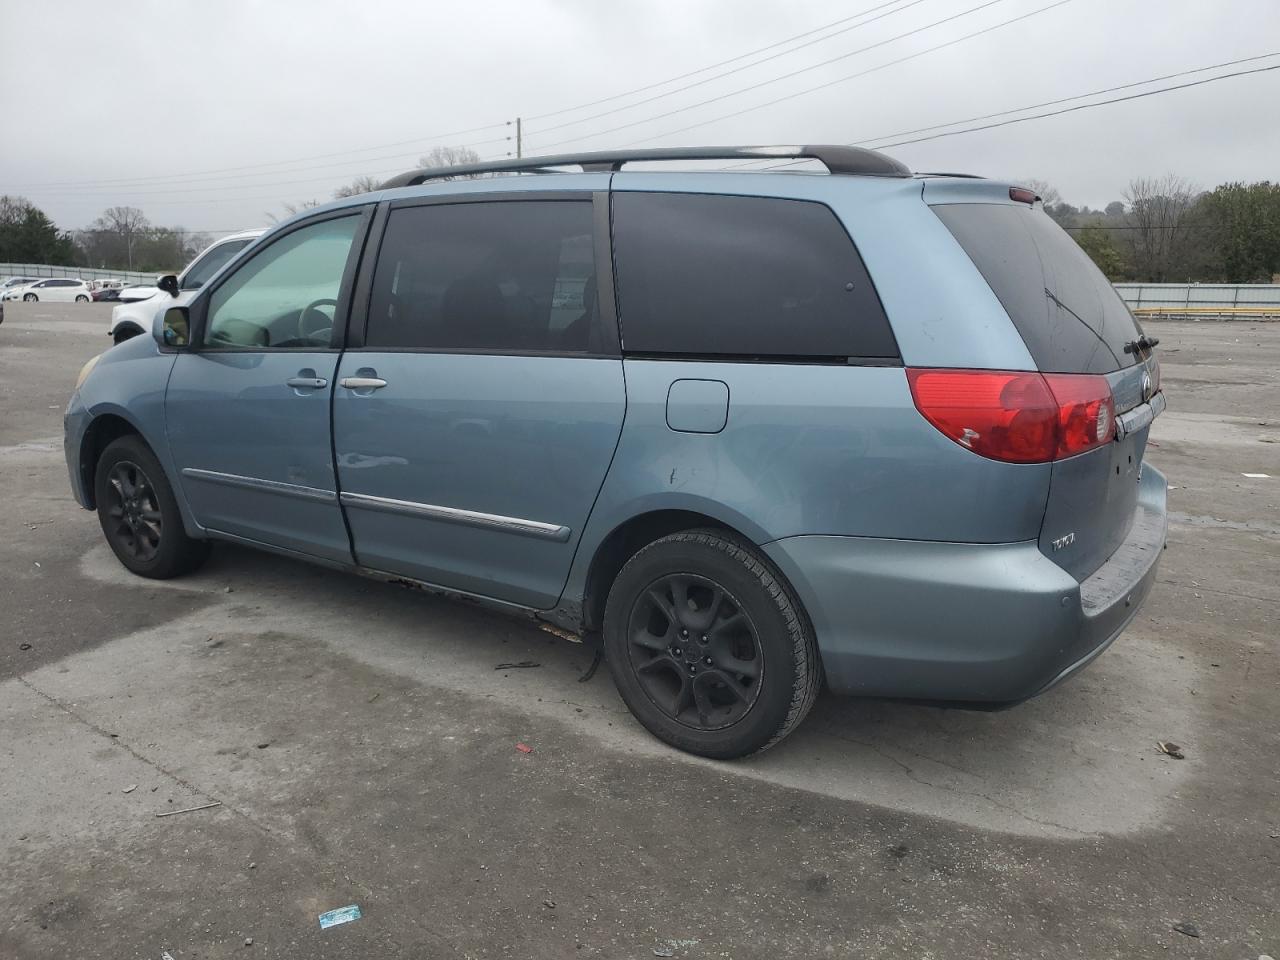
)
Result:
{"points": [[30, 298], [139, 513], [81, 298], [709, 648]]}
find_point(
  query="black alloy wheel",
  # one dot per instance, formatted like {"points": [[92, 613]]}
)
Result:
{"points": [[695, 651], [139, 513], [135, 523], [709, 646]]}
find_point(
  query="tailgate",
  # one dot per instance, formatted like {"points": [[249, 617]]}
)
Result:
{"points": [[1073, 322], [1092, 497]]}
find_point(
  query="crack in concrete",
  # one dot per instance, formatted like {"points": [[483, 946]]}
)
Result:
{"points": [[978, 795]]}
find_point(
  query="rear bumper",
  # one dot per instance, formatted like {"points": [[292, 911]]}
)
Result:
{"points": [[989, 623]]}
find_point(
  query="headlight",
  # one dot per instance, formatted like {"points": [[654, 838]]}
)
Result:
{"points": [[86, 370]]}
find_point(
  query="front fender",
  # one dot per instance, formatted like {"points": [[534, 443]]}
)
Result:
{"points": [[127, 387]]}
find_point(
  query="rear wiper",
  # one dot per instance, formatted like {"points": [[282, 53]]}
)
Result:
{"points": [[1142, 344]]}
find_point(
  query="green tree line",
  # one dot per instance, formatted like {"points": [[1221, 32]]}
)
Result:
{"points": [[1167, 231], [121, 239]]}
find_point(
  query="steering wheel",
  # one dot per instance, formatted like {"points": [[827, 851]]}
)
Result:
{"points": [[308, 334]]}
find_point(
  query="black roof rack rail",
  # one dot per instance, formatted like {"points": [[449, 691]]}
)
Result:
{"points": [[837, 159]]}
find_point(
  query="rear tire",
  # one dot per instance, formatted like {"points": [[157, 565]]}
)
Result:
{"points": [[81, 298], [709, 647], [139, 513]]}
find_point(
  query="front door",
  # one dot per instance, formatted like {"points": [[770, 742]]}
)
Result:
{"points": [[474, 426], [247, 408]]}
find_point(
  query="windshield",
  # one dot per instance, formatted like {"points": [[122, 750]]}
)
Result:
{"points": [[210, 262]]}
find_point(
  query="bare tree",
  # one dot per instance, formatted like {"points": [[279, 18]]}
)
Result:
{"points": [[1045, 191], [1160, 217], [452, 157], [290, 209], [356, 187], [126, 224]]}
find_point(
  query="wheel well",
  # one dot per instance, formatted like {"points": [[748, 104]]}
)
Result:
{"points": [[101, 432], [125, 331], [621, 545]]}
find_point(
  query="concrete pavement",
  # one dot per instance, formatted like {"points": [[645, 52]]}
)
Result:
{"points": [[361, 746]]}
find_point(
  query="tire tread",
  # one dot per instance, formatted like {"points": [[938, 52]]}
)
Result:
{"points": [[808, 678]]}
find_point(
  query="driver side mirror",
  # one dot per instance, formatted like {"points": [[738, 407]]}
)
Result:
{"points": [[169, 284], [174, 328]]}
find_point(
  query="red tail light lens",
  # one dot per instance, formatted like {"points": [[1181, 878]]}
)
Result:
{"points": [[1086, 412], [1016, 416]]}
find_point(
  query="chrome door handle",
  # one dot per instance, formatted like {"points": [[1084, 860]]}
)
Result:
{"points": [[362, 383], [313, 383]]}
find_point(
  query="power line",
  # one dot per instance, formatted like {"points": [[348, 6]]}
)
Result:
{"points": [[202, 175], [722, 63], [727, 73], [785, 76], [273, 163], [845, 79], [143, 182], [1046, 103], [1037, 106], [1084, 106], [1079, 96]]}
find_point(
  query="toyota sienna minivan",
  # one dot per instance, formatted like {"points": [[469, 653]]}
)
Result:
{"points": [[756, 430]]}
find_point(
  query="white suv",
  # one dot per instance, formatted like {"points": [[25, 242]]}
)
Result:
{"points": [[134, 317]]}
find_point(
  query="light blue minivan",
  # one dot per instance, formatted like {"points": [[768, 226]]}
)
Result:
{"points": [[753, 429]]}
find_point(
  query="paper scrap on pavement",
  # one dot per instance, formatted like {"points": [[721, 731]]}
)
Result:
{"points": [[332, 918], [1257, 476]]}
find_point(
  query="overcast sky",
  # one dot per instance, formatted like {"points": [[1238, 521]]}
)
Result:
{"points": [[164, 97]]}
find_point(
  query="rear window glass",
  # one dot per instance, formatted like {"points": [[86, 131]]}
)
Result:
{"points": [[742, 276], [1066, 310]]}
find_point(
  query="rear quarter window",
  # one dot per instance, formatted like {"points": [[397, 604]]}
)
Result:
{"points": [[1068, 314], [743, 277]]}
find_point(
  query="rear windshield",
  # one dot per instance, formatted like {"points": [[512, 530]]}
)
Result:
{"points": [[1070, 316]]}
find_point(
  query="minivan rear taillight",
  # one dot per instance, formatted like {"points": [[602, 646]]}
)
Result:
{"points": [[1016, 416]]}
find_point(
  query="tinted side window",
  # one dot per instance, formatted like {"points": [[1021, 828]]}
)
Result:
{"points": [[493, 276], [743, 276], [286, 296], [210, 263], [1068, 314]]}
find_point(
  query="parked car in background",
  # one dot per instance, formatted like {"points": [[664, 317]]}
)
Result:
{"points": [[12, 282], [136, 311], [879, 429], [53, 290], [133, 292]]}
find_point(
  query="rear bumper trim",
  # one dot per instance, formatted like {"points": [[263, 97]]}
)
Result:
{"points": [[1140, 416]]}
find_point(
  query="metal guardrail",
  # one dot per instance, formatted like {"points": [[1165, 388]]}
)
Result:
{"points": [[1202, 298], [82, 273]]}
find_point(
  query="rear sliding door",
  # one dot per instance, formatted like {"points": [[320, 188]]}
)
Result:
{"points": [[476, 418]]}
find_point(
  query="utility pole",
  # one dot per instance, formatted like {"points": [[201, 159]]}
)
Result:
{"points": [[519, 140]]}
